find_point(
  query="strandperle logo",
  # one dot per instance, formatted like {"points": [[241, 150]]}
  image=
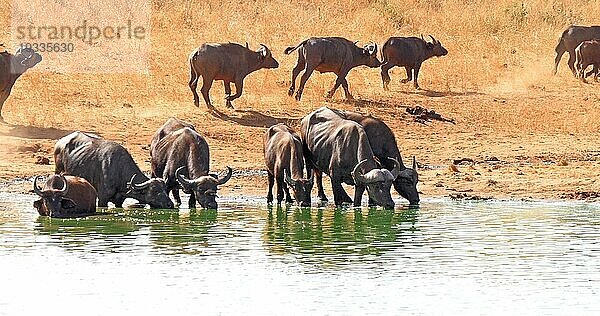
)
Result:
{"points": [[84, 36]]}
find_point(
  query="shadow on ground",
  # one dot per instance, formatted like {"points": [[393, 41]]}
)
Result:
{"points": [[34, 132], [254, 118]]}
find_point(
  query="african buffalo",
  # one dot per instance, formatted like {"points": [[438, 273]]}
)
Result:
{"points": [[341, 149], [285, 163], [185, 149], [570, 39], [12, 67], [587, 53], [384, 146], [330, 54], [410, 53], [171, 125], [110, 168], [228, 62], [65, 196]]}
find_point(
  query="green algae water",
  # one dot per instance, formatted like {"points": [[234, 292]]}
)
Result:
{"points": [[444, 258]]}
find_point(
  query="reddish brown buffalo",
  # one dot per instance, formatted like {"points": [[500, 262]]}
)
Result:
{"points": [[65, 196]]}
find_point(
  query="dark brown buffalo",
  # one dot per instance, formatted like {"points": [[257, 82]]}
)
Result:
{"points": [[65, 196], [330, 54], [182, 158], [410, 53], [11, 68], [171, 125], [228, 62], [384, 146], [341, 149], [570, 39], [110, 168], [285, 164], [586, 54]]}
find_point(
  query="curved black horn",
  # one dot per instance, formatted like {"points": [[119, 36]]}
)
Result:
{"points": [[288, 178], [65, 187], [36, 189], [181, 178], [227, 177], [414, 164], [357, 175], [397, 169], [140, 186], [433, 39]]}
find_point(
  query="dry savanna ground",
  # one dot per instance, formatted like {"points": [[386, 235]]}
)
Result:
{"points": [[528, 133]]}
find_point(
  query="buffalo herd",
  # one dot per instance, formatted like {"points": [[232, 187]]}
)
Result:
{"points": [[350, 148]]}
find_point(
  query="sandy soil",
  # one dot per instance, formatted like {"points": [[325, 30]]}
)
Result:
{"points": [[539, 142]]}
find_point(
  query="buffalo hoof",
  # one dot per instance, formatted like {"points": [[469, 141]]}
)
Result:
{"points": [[291, 92], [298, 96], [197, 103], [349, 97], [386, 86], [323, 198], [229, 105], [329, 95]]}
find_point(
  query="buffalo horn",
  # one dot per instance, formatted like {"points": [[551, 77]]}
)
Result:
{"points": [[182, 179], [264, 50], [414, 164], [36, 189], [433, 39], [65, 187], [140, 186], [396, 170], [357, 175], [227, 177], [288, 179]]}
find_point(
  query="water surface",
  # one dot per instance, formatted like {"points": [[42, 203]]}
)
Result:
{"points": [[446, 258]]}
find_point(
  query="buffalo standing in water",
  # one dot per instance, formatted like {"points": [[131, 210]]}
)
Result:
{"points": [[110, 168], [182, 158], [285, 164], [11, 68], [384, 146], [410, 53], [228, 62], [341, 149], [65, 196]]}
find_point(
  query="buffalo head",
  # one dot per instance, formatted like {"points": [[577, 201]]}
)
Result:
{"points": [[370, 53], [152, 192], [406, 184], [267, 60], [301, 189], [436, 47], [204, 187], [25, 58], [54, 201], [378, 183]]}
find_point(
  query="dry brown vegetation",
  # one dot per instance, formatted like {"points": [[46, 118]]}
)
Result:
{"points": [[496, 83]]}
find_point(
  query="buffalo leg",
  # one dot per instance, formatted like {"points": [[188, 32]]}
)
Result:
{"points": [[571, 62], [319, 178], [270, 191], [408, 75], [346, 90], [3, 96], [557, 61], [416, 82], [192, 200], [193, 85], [303, 79], [358, 193], [338, 82], [279, 189], [385, 76], [176, 196], [206, 84], [339, 194], [239, 87], [295, 72], [227, 86]]}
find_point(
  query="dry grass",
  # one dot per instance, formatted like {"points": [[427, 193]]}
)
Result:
{"points": [[495, 82]]}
